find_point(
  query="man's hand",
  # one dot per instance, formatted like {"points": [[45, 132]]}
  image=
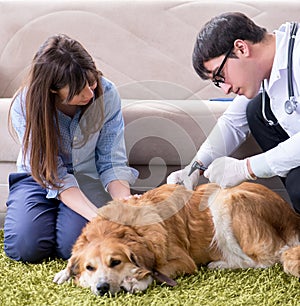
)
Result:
{"points": [[182, 177], [228, 172]]}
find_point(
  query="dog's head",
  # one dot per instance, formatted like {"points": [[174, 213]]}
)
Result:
{"points": [[109, 266]]}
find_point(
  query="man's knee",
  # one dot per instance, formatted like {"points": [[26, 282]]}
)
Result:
{"points": [[294, 195], [292, 187]]}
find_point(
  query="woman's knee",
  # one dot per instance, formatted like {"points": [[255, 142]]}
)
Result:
{"points": [[64, 250], [67, 238], [29, 237], [30, 221], [65, 243], [68, 227], [27, 244]]}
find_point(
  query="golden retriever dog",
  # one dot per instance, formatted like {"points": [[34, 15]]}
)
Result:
{"points": [[170, 230]]}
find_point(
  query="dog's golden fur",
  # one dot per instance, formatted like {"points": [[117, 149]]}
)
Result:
{"points": [[168, 231]]}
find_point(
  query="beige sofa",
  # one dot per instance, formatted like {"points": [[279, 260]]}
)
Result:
{"points": [[144, 47]]}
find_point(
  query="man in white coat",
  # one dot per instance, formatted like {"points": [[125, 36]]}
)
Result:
{"points": [[243, 58]]}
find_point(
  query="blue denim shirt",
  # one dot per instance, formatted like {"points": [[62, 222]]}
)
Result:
{"points": [[102, 156]]}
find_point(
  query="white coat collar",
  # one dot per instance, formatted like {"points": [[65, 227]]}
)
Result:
{"points": [[281, 54]]}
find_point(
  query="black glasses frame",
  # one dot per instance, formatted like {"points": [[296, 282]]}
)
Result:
{"points": [[218, 78]]}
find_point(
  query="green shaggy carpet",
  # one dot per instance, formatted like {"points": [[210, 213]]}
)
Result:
{"points": [[31, 284]]}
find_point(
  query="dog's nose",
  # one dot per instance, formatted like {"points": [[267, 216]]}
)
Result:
{"points": [[103, 288]]}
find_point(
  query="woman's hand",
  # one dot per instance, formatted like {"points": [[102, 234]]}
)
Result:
{"points": [[119, 189]]}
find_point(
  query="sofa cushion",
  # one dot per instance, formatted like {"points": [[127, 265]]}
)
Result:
{"points": [[167, 131]]}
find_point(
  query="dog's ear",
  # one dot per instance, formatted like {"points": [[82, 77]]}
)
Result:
{"points": [[73, 267], [145, 261], [142, 272], [141, 256], [80, 243], [158, 276], [133, 258]]}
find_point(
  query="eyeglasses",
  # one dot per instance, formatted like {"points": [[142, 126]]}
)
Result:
{"points": [[217, 77]]}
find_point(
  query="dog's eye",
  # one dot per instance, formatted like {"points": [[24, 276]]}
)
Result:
{"points": [[114, 262], [90, 268]]}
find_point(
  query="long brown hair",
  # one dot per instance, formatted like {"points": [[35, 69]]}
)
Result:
{"points": [[59, 62]]}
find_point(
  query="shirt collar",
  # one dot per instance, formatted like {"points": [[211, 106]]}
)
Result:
{"points": [[281, 55]]}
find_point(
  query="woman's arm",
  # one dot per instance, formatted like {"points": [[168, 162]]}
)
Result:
{"points": [[111, 158], [77, 201]]}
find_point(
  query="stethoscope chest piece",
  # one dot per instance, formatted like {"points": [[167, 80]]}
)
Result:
{"points": [[290, 106]]}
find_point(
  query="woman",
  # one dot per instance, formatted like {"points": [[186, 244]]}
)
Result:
{"points": [[68, 119]]}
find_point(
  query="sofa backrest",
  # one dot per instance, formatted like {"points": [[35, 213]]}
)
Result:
{"points": [[144, 46]]}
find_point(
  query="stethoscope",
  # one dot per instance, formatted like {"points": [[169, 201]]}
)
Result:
{"points": [[291, 104]]}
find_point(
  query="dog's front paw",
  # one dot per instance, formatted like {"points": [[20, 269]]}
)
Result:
{"points": [[218, 265], [291, 261], [133, 285], [62, 276]]}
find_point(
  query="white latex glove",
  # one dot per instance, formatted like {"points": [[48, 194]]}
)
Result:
{"points": [[228, 172], [181, 177]]}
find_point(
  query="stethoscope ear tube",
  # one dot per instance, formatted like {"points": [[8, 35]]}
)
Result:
{"points": [[290, 58], [291, 104], [263, 107]]}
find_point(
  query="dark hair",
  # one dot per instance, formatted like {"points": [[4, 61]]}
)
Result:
{"points": [[61, 61], [218, 35]]}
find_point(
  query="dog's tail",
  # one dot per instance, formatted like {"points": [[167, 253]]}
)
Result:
{"points": [[291, 261]]}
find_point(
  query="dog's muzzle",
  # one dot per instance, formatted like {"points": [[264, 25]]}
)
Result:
{"points": [[103, 288]]}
